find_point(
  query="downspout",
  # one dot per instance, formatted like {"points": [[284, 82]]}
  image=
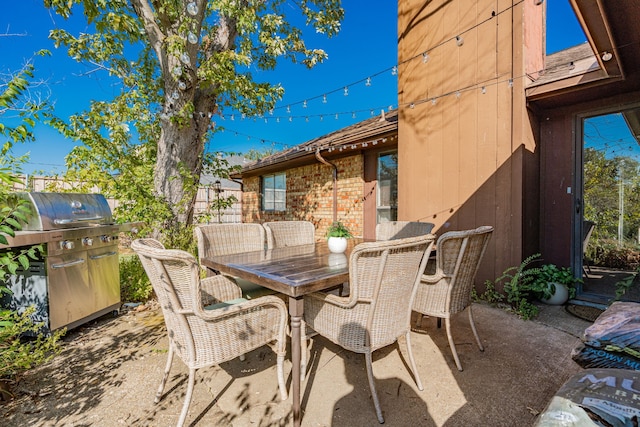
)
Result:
{"points": [[335, 183]]}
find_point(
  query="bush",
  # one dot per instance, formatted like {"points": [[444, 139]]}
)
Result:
{"points": [[18, 353], [134, 283]]}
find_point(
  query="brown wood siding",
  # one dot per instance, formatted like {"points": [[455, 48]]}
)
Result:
{"points": [[469, 160]]}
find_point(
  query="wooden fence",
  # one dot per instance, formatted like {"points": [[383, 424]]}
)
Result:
{"points": [[204, 199]]}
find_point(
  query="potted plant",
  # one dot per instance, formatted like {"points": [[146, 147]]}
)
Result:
{"points": [[554, 285], [337, 235]]}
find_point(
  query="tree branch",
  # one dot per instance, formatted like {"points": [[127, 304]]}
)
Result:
{"points": [[156, 36]]}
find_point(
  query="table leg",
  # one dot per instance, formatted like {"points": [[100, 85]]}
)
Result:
{"points": [[296, 309]]}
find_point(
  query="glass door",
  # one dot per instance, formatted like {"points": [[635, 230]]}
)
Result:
{"points": [[611, 206]]}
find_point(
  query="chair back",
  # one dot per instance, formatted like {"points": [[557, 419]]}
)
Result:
{"points": [[383, 278], [587, 229], [174, 276], [458, 257], [401, 229], [230, 238], [289, 233]]}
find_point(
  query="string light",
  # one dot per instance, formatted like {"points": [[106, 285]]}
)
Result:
{"points": [[484, 90], [304, 104], [192, 38], [459, 40], [192, 8], [324, 98], [425, 57], [346, 91], [368, 83], [394, 71], [184, 58]]}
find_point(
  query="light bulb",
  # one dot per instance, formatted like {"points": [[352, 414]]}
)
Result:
{"points": [[458, 94], [346, 91], [182, 85], [425, 58], [324, 99], [193, 39], [175, 94], [184, 57], [484, 89], [177, 71], [459, 40], [368, 83], [412, 105], [607, 56], [192, 8], [304, 104], [510, 83], [353, 115], [434, 101], [394, 70], [572, 65]]}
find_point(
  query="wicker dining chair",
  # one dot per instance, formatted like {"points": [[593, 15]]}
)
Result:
{"points": [[202, 335], [233, 238], [400, 229], [448, 290], [289, 233], [384, 277]]}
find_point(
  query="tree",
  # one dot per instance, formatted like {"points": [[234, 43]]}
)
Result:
{"points": [[16, 355], [181, 63]]}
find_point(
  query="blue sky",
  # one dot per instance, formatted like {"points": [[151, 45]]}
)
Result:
{"points": [[366, 47]]}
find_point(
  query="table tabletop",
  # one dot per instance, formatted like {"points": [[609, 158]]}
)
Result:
{"points": [[294, 271]]}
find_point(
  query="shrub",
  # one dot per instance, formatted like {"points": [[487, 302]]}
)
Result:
{"points": [[134, 283]]}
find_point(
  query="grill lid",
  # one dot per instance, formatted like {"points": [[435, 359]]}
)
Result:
{"points": [[55, 211]]}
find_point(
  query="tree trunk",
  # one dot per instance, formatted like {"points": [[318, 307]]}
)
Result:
{"points": [[179, 165]]}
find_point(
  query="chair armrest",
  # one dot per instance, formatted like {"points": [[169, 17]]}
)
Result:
{"points": [[344, 302], [218, 289], [432, 279], [244, 308]]}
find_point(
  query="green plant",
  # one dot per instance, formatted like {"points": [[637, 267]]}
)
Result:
{"points": [[490, 295], [624, 285], [134, 283], [516, 283], [338, 229], [547, 276]]}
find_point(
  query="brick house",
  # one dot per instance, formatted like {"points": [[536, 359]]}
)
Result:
{"points": [[488, 131], [303, 182]]}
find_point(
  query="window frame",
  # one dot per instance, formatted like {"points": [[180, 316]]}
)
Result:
{"points": [[273, 202]]}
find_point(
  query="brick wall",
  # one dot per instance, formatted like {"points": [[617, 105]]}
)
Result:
{"points": [[310, 196]]}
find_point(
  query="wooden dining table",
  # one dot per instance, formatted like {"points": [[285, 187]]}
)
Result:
{"points": [[293, 271]]}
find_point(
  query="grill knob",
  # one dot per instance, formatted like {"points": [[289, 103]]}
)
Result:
{"points": [[67, 244], [87, 241], [105, 239]]}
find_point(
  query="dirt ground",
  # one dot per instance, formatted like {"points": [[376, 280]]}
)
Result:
{"points": [[109, 370]]}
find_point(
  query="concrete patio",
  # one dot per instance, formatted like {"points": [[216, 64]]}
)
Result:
{"points": [[109, 370]]}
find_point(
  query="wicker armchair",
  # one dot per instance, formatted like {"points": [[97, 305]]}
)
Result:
{"points": [[226, 239], [448, 290], [205, 336], [402, 229], [289, 233], [384, 277]]}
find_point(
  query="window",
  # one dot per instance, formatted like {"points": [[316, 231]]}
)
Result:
{"points": [[387, 187], [274, 192]]}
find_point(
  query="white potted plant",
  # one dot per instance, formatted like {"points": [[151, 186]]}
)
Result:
{"points": [[337, 235], [554, 285]]}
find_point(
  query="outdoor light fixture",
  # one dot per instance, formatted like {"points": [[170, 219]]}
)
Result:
{"points": [[607, 56], [217, 187]]}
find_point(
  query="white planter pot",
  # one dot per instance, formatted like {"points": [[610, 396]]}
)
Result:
{"points": [[559, 297], [337, 245]]}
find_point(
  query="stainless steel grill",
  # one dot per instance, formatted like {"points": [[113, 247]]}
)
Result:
{"points": [[78, 278]]}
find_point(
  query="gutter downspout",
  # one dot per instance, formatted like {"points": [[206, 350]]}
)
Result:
{"points": [[335, 183]]}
